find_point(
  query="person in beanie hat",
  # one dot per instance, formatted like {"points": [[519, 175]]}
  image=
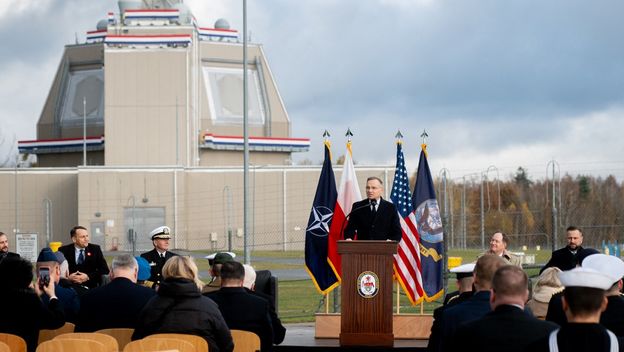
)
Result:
{"points": [[48, 262], [158, 256]]}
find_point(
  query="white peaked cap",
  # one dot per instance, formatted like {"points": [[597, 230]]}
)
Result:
{"points": [[464, 269], [213, 255], [585, 277], [607, 264]]}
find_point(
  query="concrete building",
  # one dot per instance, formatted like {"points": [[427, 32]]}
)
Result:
{"points": [[160, 98]]}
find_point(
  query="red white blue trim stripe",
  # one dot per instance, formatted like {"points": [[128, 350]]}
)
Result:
{"points": [[214, 33], [268, 144], [152, 14], [149, 39], [96, 36], [65, 145]]}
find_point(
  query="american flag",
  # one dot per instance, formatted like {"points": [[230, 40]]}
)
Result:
{"points": [[407, 266]]}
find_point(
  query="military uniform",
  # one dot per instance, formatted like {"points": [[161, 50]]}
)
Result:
{"points": [[155, 259]]}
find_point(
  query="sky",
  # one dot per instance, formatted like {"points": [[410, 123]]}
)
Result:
{"points": [[496, 84]]}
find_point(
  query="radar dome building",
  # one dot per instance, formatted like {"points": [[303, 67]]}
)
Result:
{"points": [[156, 101], [156, 88]]}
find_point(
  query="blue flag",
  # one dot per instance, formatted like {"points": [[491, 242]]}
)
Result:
{"points": [[317, 232], [429, 226]]}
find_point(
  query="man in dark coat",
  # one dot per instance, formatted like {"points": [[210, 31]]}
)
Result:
{"points": [[86, 261], [158, 256], [475, 307], [4, 247], [373, 218], [66, 295], [583, 301], [241, 310], [465, 281], [116, 304], [23, 313], [507, 327], [568, 257]]}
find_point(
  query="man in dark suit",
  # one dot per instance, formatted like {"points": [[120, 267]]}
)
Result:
{"points": [[568, 257], [116, 304], [86, 261], [507, 327], [241, 310], [475, 307], [66, 295], [373, 218], [159, 255], [4, 248]]}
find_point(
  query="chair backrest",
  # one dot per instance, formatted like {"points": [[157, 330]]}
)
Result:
{"points": [[46, 334], [245, 341], [108, 341], [199, 342], [4, 347], [122, 335], [15, 343], [71, 345], [159, 344], [267, 284]]}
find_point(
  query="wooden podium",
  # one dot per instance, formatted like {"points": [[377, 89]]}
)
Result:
{"points": [[366, 292]]}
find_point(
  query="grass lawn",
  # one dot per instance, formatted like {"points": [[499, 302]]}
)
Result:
{"points": [[299, 300]]}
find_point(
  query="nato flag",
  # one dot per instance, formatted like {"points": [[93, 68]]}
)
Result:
{"points": [[317, 232]]}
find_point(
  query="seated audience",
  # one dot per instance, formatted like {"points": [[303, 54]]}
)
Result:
{"points": [[546, 286], [583, 301], [24, 314], [67, 296], [116, 304], [507, 327], [241, 310], [179, 307], [215, 263], [144, 273]]}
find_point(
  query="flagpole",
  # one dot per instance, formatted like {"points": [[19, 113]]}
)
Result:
{"points": [[398, 294], [326, 303]]}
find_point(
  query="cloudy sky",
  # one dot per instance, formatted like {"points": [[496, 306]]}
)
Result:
{"points": [[503, 83]]}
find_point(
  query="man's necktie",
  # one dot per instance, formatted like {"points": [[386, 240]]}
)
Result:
{"points": [[81, 257], [374, 206], [162, 255]]}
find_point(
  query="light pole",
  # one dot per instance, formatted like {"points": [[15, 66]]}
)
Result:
{"points": [[47, 204], [131, 233], [84, 131], [246, 226]]}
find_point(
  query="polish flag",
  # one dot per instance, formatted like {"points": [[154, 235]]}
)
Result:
{"points": [[348, 193]]}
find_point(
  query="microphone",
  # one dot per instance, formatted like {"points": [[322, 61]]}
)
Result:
{"points": [[342, 227]]}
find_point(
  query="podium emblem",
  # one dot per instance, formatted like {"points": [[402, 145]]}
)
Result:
{"points": [[368, 284]]}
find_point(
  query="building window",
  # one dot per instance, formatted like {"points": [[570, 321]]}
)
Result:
{"points": [[83, 85], [225, 94]]}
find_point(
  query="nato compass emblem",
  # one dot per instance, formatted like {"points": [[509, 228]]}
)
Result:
{"points": [[368, 284], [322, 219], [429, 222]]}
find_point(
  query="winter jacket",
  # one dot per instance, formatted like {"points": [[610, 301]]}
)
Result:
{"points": [[180, 308]]}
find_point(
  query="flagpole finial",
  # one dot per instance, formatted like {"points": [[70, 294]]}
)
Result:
{"points": [[349, 134], [399, 137], [326, 135], [424, 136]]}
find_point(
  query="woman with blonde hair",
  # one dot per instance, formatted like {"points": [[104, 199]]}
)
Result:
{"points": [[546, 286], [179, 307]]}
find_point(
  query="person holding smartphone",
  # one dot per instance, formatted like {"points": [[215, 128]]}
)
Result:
{"points": [[48, 270], [23, 313]]}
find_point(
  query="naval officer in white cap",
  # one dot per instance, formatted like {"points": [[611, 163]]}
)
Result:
{"points": [[613, 317], [159, 255], [584, 299]]}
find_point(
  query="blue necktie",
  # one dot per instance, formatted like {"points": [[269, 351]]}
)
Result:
{"points": [[81, 257]]}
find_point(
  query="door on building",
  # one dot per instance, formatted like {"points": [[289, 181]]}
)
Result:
{"points": [[141, 221]]}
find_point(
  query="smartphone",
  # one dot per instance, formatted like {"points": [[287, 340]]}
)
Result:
{"points": [[44, 277]]}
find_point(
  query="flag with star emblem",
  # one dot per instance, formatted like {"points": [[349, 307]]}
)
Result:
{"points": [[407, 267], [317, 232], [348, 193], [430, 231]]}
